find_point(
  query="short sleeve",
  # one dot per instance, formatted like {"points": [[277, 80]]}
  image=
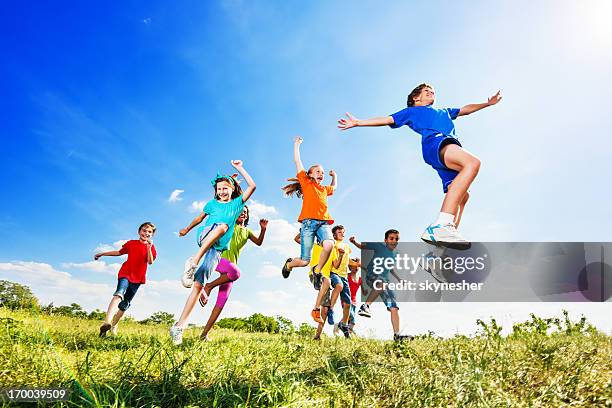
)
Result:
{"points": [[153, 252], [125, 248], [302, 176], [453, 112], [330, 190], [208, 208], [400, 118]]}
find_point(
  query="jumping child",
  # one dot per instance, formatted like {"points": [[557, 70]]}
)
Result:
{"points": [[441, 149], [141, 253], [314, 217]]}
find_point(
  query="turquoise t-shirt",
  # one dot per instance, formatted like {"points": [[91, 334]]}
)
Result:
{"points": [[218, 212]]}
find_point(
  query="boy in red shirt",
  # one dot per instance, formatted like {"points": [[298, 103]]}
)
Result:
{"points": [[141, 253]]}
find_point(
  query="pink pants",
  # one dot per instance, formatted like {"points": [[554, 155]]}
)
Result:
{"points": [[233, 273]]}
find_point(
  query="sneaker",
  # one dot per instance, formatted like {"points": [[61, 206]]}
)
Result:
{"points": [[336, 329], [445, 235], [430, 265], [345, 329], [286, 271], [176, 334], [316, 315], [317, 278], [330, 317], [402, 337], [364, 310], [188, 272], [104, 328]]}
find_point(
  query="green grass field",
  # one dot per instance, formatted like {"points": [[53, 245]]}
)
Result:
{"points": [[139, 367]]}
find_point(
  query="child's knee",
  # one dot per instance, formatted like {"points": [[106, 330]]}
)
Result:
{"points": [[222, 227], [233, 274], [327, 245], [474, 164]]}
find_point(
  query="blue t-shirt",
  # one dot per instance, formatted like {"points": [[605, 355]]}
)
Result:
{"points": [[380, 251], [218, 212], [427, 121]]}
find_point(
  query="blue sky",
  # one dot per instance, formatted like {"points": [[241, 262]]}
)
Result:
{"points": [[107, 111]]}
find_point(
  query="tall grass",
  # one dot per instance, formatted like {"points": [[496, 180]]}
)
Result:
{"points": [[552, 362]]}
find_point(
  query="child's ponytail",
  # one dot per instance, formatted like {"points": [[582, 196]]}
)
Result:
{"points": [[293, 188]]}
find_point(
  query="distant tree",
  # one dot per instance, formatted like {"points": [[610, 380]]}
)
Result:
{"points": [[285, 325], [96, 315], [16, 296], [159, 318], [74, 310], [306, 330]]}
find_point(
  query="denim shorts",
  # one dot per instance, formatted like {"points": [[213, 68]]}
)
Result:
{"points": [[126, 291], [312, 228], [387, 295], [345, 294], [210, 259]]}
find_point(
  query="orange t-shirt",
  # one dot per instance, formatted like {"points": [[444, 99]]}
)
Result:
{"points": [[314, 198]]}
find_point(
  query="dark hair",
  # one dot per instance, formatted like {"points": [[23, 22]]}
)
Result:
{"points": [[415, 92], [147, 224], [246, 220], [233, 180], [336, 228], [294, 187], [391, 231]]}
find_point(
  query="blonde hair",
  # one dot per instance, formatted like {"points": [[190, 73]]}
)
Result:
{"points": [[294, 187]]}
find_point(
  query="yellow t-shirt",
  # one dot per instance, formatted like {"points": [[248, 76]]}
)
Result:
{"points": [[342, 270], [314, 260]]}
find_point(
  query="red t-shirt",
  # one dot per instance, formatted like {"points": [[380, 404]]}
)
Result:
{"points": [[135, 267], [354, 287]]}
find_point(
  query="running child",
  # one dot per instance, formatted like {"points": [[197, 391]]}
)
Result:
{"points": [[339, 283], [386, 250], [228, 267], [314, 217], [213, 237], [141, 253], [441, 149], [354, 285]]}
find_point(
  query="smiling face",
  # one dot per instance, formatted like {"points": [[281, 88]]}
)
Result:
{"points": [[392, 240], [426, 97], [244, 215], [317, 173], [339, 234], [145, 232], [224, 190]]}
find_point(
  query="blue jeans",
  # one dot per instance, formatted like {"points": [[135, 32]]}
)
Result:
{"points": [[310, 229], [126, 291], [386, 295], [345, 294]]}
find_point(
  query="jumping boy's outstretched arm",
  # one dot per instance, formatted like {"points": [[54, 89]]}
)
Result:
{"points": [[108, 253], [263, 224], [247, 177], [198, 219], [474, 107], [296, 153], [356, 243], [352, 121]]}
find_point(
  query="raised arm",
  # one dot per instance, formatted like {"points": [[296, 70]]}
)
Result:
{"points": [[107, 253], [247, 177], [338, 260], [351, 121], [198, 219], [356, 243], [296, 154], [474, 107], [263, 224], [150, 257], [334, 180]]}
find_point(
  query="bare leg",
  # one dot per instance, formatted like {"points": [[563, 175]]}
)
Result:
{"points": [[466, 197], [214, 315], [297, 262], [190, 303], [320, 326], [118, 316], [113, 306], [324, 286], [395, 319], [468, 166], [212, 237], [334, 295], [327, 245], [372, 296], [346, 309], [217, 282]]}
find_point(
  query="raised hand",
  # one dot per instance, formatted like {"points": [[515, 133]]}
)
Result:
{"points": [[332, 173], [97, 256], [237, 164], [298, 140], [495, 98], [340, 250], [263, 223], [347, 123], [183, 232]]}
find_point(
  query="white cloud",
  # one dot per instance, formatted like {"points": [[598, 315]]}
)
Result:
{"points": [[275, 297], [175, 196], [94, 266], [110, 247], [197, 206], [260, 210], [279, 237], [269, 270]]}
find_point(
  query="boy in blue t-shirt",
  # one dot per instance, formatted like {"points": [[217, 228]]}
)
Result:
{"points": [[441, 150]]}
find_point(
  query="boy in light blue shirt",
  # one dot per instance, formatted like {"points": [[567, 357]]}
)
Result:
{"points": [[442, 150]]}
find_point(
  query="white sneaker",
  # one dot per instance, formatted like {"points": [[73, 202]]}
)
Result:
{"points": [[176, 334], [336, 329], [431, 263], [188, 272], [445, 235], [364, 310]]}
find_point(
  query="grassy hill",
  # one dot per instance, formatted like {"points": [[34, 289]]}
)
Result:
{"points": [[535, 366]]}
